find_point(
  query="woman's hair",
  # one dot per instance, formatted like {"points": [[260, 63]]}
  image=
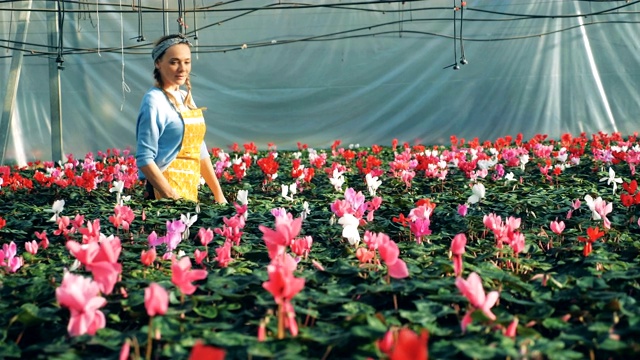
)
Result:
{"points": [[188, 101]]}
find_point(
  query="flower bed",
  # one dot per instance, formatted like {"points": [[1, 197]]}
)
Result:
{"points": [[482, 250]]}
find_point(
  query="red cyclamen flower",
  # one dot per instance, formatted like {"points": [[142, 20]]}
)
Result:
{"points": [[593, 234], [405, 345]]}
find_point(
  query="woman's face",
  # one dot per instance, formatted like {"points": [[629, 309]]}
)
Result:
{"points": [[175, 66]]}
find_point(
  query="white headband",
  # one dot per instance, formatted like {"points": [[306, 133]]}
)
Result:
{"points": [[163, 46]]}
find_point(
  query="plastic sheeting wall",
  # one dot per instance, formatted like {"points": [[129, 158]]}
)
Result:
{"points": [[369, 86]]}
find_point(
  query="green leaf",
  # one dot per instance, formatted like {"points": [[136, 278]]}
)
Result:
{"points": [[555, 324], [208, 311]]}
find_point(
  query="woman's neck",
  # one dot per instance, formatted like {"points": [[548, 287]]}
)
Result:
{"points": [[172, 88]]}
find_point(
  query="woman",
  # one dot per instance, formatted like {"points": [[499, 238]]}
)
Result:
{"points": [[171, 153]]}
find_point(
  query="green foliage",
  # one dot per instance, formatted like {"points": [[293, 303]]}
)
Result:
{"points": [[569, 306]]}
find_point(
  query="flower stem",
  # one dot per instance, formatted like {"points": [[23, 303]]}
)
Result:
{"points": [[280, 321], [149, 339], [136, 348]]}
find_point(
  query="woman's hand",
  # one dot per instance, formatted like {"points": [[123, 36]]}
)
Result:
{"points": [[160, 184], [209, 175]]}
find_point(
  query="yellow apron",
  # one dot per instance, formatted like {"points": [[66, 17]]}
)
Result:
{"points": [[183, 173]]}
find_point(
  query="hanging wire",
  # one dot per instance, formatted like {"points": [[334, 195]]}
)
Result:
{"points": [[350, 33], [463, 59], [195, 29], [60, 11], [125, 87], [455, 48], [98, 26], [195, 22], [181, 24], [401, 18], [140, 28], [164, 19], [10, 26], [81, 15]]}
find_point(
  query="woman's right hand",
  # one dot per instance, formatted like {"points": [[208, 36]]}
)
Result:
{"points": [[161, 185]]}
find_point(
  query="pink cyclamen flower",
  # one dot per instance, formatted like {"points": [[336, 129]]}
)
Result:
{"points": [[458, 244], [125, 350], [85, 253], [557, 227], [463, 209], [224, 254], [148, 257], [316, 264], [8, 257], [290, 318], [389, 253], [168, 255], [513, 223], [205, 236], [44, 241], [576, 204], [510, 331], [101, 259], [457, 249], [262, 331], [154, 240], [182, 276], [599, 209], [466, 320], [279, 212], [81, 296], [302, 246], [105, 275], [282, 284], [492, 221], [31, 247], [10, 250], [517, 242], [123, 216], [365, 255], [15, 263], [156, 299], [473, 291], [286, 230], [199, 256]]}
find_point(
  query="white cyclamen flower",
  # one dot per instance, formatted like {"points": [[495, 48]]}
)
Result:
{"points": [[118, 186], [286, 189], [56, 209], [350, 228], [187, 220], [372, 184], [243, 197], [337, 180], [612, 179], [478, 192]]}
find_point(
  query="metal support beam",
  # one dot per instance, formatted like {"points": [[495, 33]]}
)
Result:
{"points": [[55, 97], [14, 80]]}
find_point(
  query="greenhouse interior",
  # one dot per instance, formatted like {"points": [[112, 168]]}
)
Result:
{"points": [[344, 179]]}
